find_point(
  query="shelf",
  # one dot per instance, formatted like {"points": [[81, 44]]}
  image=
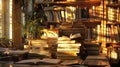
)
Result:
{"points": [[112, 23], [54, 9], [88, 4], [113, 5], [112, 14], [91, 23]]}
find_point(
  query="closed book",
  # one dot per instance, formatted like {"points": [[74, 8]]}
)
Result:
{"points": [[39, 61]]}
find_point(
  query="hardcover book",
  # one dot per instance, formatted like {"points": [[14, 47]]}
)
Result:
{"points": [[39, 61]]}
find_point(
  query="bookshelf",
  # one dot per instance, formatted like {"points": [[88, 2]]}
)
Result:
{"points": [[113, 30], [61, 11], [76, 3], [113, 22], [63, 6]]}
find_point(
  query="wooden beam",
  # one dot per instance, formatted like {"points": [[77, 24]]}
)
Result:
{"points": [[16, 24]]}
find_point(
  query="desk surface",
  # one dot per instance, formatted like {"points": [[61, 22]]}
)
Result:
{"points": [[12, 64], [42, 66], [96, 61]]}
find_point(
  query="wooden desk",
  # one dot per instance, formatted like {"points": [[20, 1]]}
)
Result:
{"points": [[96, 61], [42, 66], [12, 64]]}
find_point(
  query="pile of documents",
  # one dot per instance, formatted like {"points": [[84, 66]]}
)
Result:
{"points": [[67, 48]]}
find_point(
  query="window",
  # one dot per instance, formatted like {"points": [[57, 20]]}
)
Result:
{"points": [[6, 18], [0, 18], [10, 19]]}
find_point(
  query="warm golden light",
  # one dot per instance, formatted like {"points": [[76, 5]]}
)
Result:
{"points": [[49, 34], [10, 19], [68, 45], [104, 51], [10, 65], [70, 15], [93, 7], [26, 46], [71, 0], [1, 5], [114, 54], [1, 18], [98, 32]]}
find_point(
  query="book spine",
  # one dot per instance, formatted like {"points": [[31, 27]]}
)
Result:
{"points": [[113, 14], [59, 15], [85, 13], [55, 15], [68, 50]]}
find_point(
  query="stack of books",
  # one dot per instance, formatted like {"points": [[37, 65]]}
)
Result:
{"points": [[39, 47], [68, 49]]}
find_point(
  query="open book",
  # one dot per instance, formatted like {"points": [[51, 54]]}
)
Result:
{"points": [[40, 61], [77, 35]]}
